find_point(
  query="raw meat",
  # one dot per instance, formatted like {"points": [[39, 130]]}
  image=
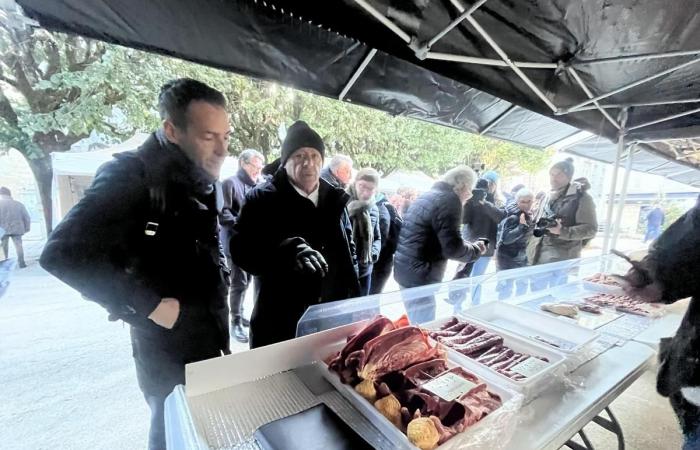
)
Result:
{"points": [[561, 309], [396, 350]]}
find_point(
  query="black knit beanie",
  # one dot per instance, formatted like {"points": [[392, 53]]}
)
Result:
{"points": [[300, 135]]}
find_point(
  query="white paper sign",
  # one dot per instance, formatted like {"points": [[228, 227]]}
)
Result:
{"points": [[449, 386], [530, 367]]}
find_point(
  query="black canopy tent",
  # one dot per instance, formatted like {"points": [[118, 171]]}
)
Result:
{"points": [[529, 71]]}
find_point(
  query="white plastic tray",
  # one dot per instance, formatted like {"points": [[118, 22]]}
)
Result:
{"points": [[529, 387], [480, 435], [541, 328]]}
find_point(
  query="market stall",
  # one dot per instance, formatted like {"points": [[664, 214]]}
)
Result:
{"points": [[565, 370]]}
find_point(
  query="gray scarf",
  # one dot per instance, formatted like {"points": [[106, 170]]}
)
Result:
{"points": [[362, 231]]}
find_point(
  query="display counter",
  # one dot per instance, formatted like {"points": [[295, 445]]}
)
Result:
{"points": [[590, 360]]}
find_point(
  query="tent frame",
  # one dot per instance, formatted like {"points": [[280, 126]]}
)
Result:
{"points": [[593, 102]]}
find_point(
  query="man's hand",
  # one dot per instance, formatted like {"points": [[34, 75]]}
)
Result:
{"points": [[481, 246], [556, 230], [523, 219], [637, 285], [166, 313], [311, 261]]}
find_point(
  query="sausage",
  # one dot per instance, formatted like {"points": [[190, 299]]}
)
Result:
{"points": [[480, 344]]}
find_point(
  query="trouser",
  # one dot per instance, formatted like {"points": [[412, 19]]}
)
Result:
{"points": [[689, 418], [652, 233], [240, 279], [160, 357], [420, 310], [19, 248], [365, 284], [505, 288], [380, 275], [548, 280], [478, 269]]}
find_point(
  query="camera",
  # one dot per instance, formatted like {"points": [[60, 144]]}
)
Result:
{"points": [[542, 226], [478, 195]]}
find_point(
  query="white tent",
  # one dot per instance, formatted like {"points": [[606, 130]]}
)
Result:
{"points": [[405, 178], [73, 172]]}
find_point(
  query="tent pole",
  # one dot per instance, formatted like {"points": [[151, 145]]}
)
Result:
{"points": [[455, 22], [487, 61], [498, 119], [384, 20], [357, 73], [589, 94], [629, 105], [623, 195], [664, 119], [507, 60], [615, 59], [613, 184], [630, 85]]}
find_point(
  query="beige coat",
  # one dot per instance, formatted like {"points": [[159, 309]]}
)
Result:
{"points": [[579, 224]]}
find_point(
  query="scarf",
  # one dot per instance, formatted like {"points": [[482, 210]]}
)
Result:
{"points": [[362, 231]]}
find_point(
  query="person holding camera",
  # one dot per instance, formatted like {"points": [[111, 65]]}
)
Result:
{"points": [[566, 222], [513, 234]]}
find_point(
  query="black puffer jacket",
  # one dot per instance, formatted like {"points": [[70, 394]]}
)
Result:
{"points": [[147, 229], [234, 190], [512, 241], [429, 237], [273, 220]]}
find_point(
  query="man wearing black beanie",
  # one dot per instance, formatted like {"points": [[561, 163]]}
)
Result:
{"points": [[295, 235]]}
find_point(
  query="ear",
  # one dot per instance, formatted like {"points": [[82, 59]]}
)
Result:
{"points": [[171, 132]]}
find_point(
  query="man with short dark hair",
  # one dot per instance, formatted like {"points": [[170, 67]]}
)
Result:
{"points": [[294, 234], [15, 221], [235, 188], [143, 243]]}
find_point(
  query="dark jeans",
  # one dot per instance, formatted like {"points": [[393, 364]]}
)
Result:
{"points": [[19, 248], [544, 281], [689, 419], [380, 275], [240, 280], [420, 310], [652, 233], [160, 357]]}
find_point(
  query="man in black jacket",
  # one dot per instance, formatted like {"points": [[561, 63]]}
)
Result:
{"points": [[144, 243], [513, 234], [294, 234], [430, 236], [669, 273], [364, 218], [235, 188]]}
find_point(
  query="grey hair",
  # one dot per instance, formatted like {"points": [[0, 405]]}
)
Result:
{"points": [[339, 160], [524, 192], [248, 154], [460, 177]]}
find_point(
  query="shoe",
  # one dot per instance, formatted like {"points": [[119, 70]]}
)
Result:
{"points": [[245, 322], [240, 334], [22, 266]]}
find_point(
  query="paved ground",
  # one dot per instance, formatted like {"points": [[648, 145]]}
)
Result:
{"points": [[68, 380]]}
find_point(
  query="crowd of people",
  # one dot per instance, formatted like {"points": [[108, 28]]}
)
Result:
{"points": [[165, 247]]}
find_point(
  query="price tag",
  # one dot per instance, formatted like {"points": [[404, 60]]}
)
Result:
{"points": [[530, 367], [449, 386]]}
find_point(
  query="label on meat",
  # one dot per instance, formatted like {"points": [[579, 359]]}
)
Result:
{"points": [[529, 367], [449, 386]]}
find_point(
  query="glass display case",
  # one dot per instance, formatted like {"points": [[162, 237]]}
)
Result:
{"points": [[424, 304]]}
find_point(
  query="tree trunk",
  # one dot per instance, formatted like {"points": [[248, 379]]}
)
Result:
{"points": [[43, 175]]}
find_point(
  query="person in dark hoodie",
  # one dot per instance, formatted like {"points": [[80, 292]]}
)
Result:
{"points": [[235, 189], [511, 242], [480, 219], [364, 217], [143, 243], [295, 235], [667, 274]]}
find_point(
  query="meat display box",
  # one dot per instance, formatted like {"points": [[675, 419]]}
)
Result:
{"points": [[538, 380], [489, 433], [561, 334]]}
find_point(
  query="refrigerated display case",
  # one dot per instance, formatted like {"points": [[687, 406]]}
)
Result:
{"points": [[225, 400]]}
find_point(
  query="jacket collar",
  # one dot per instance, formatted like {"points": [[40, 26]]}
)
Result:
{"points": [[327, 193], [244, 177]]}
